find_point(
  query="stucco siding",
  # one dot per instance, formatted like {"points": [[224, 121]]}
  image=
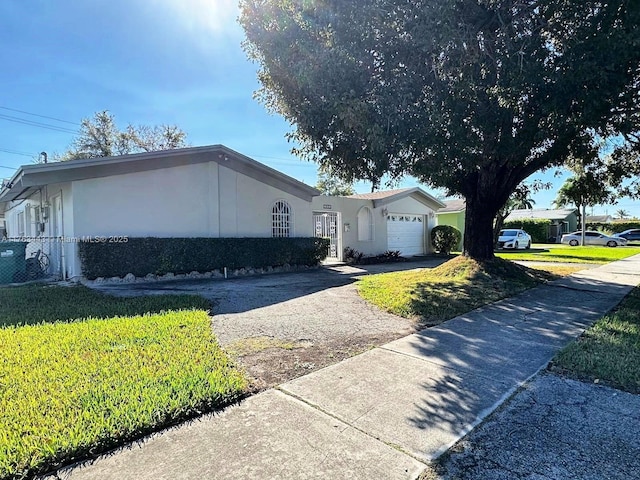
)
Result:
{"points": [[348, 209], [169, 202], [200, 200], [408, 205], [254, 204]]}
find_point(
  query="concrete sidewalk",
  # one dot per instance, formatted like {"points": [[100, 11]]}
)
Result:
{"points": [[387, 412]]}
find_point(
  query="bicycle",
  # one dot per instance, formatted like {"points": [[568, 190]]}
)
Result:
{"points": [[37, 265]]}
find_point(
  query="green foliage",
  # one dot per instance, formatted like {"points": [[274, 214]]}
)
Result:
{"points": [[608, 351], [352, 256], [585, 189], [329, 184], [32, 304], [142, 256], [469, 96], [100, 137], [537, 228], [453, 288], [74, 389], [445, 238], [615, 227]]}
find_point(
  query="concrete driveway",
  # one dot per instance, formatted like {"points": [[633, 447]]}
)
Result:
{"points": [[285, 325]]}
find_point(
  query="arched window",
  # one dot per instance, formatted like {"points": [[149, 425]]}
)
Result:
{"points": [[365, 225], [281, 219]]}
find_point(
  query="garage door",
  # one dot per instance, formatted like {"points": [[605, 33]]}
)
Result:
{"points": [[405, 232]]}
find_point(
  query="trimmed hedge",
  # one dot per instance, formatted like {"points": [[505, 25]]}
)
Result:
{"points": [[614, 227], [537, 228], [142, 256], [445, 238]]}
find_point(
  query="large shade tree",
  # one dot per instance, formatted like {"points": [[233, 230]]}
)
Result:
{"points": [[100, 137], [468, 95]]}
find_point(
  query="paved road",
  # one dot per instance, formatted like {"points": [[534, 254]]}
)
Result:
{"points": [[555, 429], [390, 411]]}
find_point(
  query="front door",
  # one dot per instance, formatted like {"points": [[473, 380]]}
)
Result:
{"points": [[326, 225]]}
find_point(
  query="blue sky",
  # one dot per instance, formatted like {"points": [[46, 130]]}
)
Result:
{"points": [[148, 62]]}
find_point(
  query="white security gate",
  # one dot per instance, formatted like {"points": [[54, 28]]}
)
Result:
{"points": [[405, 232], [326, 226]]}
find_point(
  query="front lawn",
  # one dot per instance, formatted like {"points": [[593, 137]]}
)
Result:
{"points": [[567, 254], [33, 304], [609, 351], [72, 389], [455, 287]]}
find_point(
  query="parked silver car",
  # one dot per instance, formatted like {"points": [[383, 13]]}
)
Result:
{"points": [[514, 238], [592, 238]]}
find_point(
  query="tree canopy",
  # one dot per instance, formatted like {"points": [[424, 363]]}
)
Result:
{"points": [[468, 95], [100, 137], [330, 184]]}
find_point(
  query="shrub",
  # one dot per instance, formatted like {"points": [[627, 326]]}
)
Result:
{"points": [[353, 256], [537, 228], [141, 256], [615, 227], [445, 238]]}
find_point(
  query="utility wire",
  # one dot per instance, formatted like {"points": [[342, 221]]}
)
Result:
{"points": [[10, 118], [41, 116], [15, 152]]}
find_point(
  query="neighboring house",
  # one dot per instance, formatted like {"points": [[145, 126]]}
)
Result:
{"points": [[453, 214], [208, 191], [562, 220], [599, 219], [372, 223]]}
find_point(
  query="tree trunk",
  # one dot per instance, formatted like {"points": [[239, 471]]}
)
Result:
{"points": [[478, 230], [498, 224]]}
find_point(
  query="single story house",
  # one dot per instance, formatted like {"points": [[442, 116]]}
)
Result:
{"points": [[561, 221], [373, 223], [453, 214], [599, 219], [209, 191]]}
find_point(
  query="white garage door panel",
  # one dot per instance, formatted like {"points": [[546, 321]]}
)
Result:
{"points": [[405, 232]]}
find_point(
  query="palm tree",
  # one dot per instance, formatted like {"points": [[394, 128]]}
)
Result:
{"points": [[519, 199], [622, 214], [583, 190]]}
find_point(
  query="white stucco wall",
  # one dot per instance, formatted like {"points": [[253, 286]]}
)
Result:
{"points": [[249, 204], [348, 209], [200, 200]]}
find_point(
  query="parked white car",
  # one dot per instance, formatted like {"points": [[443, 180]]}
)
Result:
{"points": [[514, 238], [592, 238]]}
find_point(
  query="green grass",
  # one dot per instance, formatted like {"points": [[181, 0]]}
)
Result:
{"points": [[455, 287], [33, 304], [566, 254], [76, 388], [609, 351]]}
